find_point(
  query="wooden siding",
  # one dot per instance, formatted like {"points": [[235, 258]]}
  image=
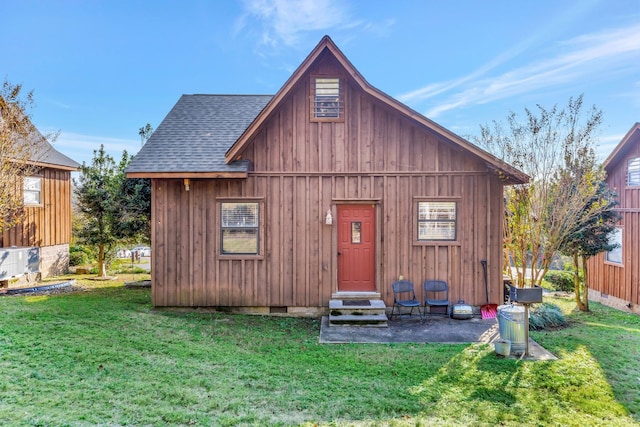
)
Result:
{"points": [[622, 280], [50, 223], [298, 266], [300, 170]]}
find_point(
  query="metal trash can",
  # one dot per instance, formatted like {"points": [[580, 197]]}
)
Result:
{"points": [[511, 326]]}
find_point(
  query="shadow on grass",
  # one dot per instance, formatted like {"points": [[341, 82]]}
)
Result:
{"points": [[611, 339], [272, 370]]}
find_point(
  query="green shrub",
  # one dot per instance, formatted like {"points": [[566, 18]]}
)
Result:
{"points": [[124, 269], [545, 316], [561, 280], [80, 255], [78, 258]]}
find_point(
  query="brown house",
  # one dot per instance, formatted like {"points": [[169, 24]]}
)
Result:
{"points": [[614, 277], [329, 188], [46, 224]]}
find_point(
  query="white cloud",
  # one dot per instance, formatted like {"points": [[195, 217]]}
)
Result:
{"points": [[284, 20], [590, 56]]}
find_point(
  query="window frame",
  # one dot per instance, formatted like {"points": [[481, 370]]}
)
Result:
{"points": [[259, 229], [619, 232], [37, 191], [635, 172], [417, 241], [341, 107]]}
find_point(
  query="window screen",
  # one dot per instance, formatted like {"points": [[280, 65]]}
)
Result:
{"points": [[239, 228], [633, 171], [32, 190], [436, 220], [615, 254]]}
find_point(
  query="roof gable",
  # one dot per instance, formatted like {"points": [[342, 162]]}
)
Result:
{"points": [[41, 152], [508, 173], [619, 153]]}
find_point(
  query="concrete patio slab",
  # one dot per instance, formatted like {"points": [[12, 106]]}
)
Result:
{"points": [[437, 330]]}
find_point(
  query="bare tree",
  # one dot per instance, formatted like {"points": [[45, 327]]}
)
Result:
{"points": [[555, 147], [20, 147]]}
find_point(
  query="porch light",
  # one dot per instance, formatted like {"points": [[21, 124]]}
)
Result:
{"points": [[329, 218], [186, 184]]}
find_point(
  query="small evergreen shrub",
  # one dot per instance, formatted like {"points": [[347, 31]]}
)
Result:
{"points": [[545, 316], [560, 280], [78, 258], [80, 255]]}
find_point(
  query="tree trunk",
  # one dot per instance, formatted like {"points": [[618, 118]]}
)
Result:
{"points": [[101, 265], [576, 281], [585, 289]]}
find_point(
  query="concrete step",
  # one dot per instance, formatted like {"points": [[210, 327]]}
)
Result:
{"points": [[371, 321], [357, 312]]}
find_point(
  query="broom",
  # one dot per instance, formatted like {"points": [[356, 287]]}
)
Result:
{"points": [[488, 311]]}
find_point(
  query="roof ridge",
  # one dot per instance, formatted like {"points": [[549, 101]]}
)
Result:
{"points": [[227, 94]]}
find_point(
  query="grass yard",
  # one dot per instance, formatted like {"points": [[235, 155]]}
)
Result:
{"points": [[103, 356]]}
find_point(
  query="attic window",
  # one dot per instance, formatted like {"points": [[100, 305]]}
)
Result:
{"points": [[327, 99], [633, 171]]}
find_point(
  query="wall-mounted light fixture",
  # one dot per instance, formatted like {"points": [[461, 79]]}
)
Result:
{"points": [[329, 218], [186, 184]]}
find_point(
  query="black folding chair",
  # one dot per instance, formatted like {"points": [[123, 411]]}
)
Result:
{"points": [[404, 296], [436, 294]]}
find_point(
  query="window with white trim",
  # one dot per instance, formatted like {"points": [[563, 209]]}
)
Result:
{"points": [[436, 221], [633, 171], [327, 98], [32, 190], [615, 254], [240, 228]]}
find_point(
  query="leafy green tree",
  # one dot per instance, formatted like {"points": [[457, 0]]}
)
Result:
{"points": [[114, 209], [133, 216], [145, 133], [97, 194], [590, 237]]}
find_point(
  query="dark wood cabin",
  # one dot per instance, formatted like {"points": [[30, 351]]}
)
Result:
{"points": [[330, 187], [614, 277], [46, 222]]}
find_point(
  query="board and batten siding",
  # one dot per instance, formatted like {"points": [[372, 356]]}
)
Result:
{"points": [[621, 280], [298, 265], [50, 223], [301, 169]]}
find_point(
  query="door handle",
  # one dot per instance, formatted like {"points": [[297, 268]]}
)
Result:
{"points": [[339, 253]]}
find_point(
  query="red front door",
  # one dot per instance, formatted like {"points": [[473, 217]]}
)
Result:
{"points": [[356, 248]]}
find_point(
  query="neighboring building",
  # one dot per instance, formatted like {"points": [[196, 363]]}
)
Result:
{"points": [[614, 277], [47, 212], [328, 188]]}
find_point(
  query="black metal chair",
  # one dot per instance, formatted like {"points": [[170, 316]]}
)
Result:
{"points": [[436, 294], [404, 296]]}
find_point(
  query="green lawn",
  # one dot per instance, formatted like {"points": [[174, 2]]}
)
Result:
{"points": [[103, 356]]}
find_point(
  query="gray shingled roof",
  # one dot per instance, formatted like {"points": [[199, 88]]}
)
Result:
{"points": [[197, 133], [47, 154]]}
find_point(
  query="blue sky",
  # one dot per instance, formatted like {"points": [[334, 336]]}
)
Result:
{"points": [[100, 70]]}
